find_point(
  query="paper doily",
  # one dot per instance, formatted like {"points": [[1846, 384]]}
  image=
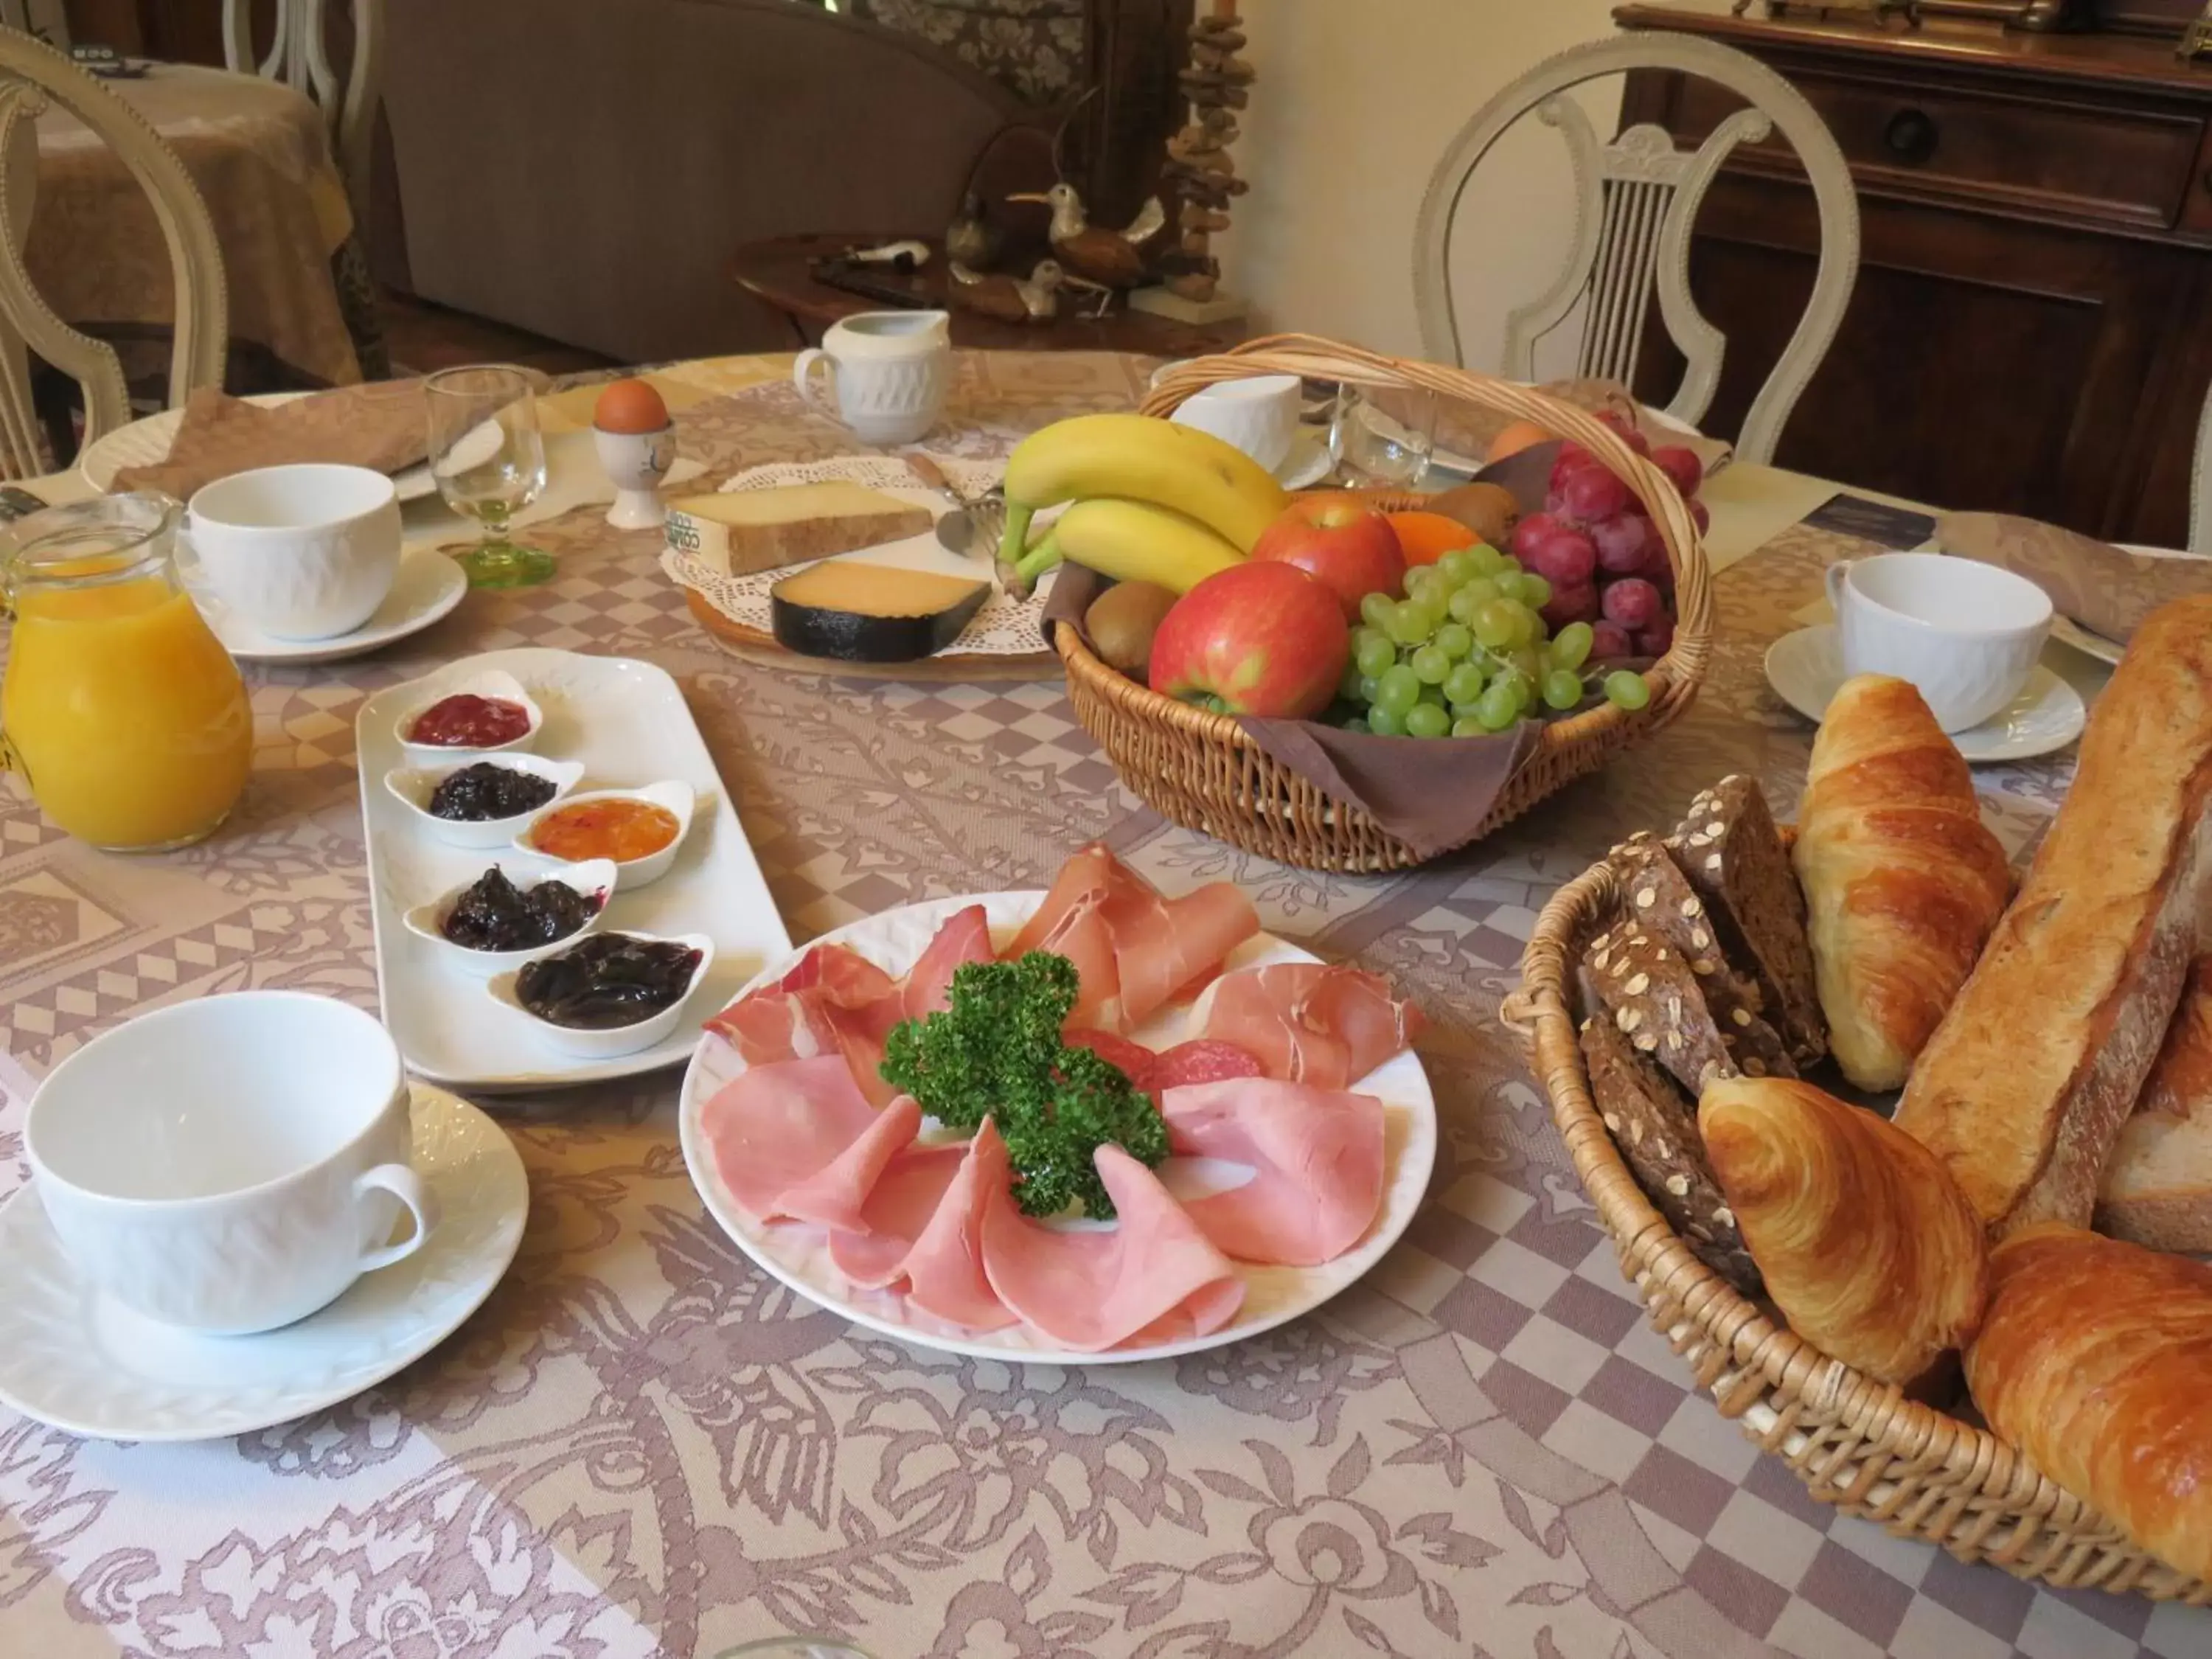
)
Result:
{"points": [[1005, 627]]}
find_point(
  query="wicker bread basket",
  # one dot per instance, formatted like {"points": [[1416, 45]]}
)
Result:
{"points": [[1201, 770], [1856, 1443]]}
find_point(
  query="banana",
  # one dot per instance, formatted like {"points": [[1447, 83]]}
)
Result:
{"points": [[1137, 458], [1133, 542]]}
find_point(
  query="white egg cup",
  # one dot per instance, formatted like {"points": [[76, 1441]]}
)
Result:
{"points": [[636, 463]]}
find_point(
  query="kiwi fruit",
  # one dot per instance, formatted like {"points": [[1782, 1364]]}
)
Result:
{"points": [[1121, 621], [1488, 509]]}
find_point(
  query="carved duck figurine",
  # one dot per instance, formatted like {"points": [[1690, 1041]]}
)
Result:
{"points": [[1008, 298], [1116, 258], [972, 239]]}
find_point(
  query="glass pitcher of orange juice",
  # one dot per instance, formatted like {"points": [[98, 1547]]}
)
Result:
{"points": [[120, 709]]}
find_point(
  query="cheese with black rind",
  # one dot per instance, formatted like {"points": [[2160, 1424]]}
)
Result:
{"points": [[852, 612]]}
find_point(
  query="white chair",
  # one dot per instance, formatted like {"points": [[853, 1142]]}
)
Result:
{"points": [[33, 75], [47, 19], [1637, 200], [300, 56]]}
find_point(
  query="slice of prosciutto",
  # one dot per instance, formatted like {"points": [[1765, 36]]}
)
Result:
{"points": [[1133, 948], [1317, 1156], [1306, 1021], [773, 1129], [1152, 1274]]}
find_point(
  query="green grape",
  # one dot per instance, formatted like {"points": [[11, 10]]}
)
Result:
{"points": [[1436, 610], [1431, 666], [1434, 694], [1498, 708], [1458, 567], [1420, 582], [1427, 721], [1408, 623], [1485, 589], [1527, 626], [1384, 724], [1496, 626], [1508, 565], [1628, 690], [1528, 664], [1466, 726], [1465, 602], [1535, 591], [1357, 723], [1374, 609], [1570, 646], [1348, 687], [1397, 689], [1563, 688], [1488, 560], [1464, 684], [1369, 688], [1373, 653], [1454, 640]]}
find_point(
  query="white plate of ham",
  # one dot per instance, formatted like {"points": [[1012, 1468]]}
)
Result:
{"points": [[1302, 1129]]}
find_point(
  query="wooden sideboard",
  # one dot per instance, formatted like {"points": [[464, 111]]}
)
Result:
{"points": [[2032, 330]]}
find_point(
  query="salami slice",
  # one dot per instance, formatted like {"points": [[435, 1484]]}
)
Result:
{"points": [[1206, 1061], [1133, 1059]]}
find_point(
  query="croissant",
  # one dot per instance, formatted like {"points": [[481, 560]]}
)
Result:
{"points": [[1867, 1245], [1902, 882], [2092, 1360]]}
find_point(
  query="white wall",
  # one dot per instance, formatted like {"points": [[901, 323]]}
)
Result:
{"points": [[1354, 103]]}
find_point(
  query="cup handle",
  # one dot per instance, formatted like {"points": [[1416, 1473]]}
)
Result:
{"points": [[186, 557], [802, 376], [1833, 579], [403, 1184]]}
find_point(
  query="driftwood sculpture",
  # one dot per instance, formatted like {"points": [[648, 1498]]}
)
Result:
{"points": [[1199, 173]]}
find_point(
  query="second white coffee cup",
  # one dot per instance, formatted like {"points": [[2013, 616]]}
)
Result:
{"points": [[1258, 414], [304, 552], [232, 1163], [1966, 635]]}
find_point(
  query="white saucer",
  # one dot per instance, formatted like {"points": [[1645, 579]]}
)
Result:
{"points": [[428, 585], [71, 1357], [1805, 669], [1308, 463]]}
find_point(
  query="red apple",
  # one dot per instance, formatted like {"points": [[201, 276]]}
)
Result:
{"points": [[1335, 536], [1264, 638]]}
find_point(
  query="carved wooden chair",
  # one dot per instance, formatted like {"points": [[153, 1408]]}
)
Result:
{"points": [[1637, 198], [300, 56], [32, 75]]}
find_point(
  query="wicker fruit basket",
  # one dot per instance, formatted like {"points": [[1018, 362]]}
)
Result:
{"points": [[1856, 1443], [1201, 770]]}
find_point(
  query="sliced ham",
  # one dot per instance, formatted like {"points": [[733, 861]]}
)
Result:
{"points": [[1152, 1273], [836, 1194], [774, 1127], [1317, 1159], [922, 1225], [965, 939], [873, 1254], [1307, 1023], [1133, 948]]}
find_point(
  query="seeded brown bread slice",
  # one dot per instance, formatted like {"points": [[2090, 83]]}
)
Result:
{"points": [[1659, 898], [1655, 1125], [1653, 1000], [1729, 849]]}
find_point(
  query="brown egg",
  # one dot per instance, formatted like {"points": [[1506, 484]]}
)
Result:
{"points": [[1522, 434], [630, 406]]}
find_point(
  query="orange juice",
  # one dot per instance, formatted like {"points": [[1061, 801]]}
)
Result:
{"points": [[122, 710]]}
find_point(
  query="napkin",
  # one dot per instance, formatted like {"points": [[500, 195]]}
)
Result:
{"points": [[382, 426], [2108, 590]]}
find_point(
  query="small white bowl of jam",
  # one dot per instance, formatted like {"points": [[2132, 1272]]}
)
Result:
{"points": [[639, 829], [479, 713], [609, 993], [497, 923], [478, 803]]}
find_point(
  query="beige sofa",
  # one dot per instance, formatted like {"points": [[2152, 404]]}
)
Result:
{"points": [[583, 169]]}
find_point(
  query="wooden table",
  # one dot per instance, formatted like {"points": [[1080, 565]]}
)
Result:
{"points": [[778, 273]]}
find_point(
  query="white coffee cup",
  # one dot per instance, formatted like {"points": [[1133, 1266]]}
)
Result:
{"points": [[890, 372], [232, 1164], [1966, 635], [1258, 414], [304, 552]]}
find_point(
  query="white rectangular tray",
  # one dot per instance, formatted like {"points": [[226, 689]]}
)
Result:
{"points": [[627, 721]]}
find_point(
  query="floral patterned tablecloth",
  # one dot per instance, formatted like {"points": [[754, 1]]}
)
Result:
{"points": [[642, 1445]]}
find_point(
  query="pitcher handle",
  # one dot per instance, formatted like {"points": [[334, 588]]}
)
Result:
{"points": [[802, 376], [403, 1184]]}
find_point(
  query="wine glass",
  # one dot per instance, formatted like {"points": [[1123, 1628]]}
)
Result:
{"points": [[1382, 438], [489, 458]]}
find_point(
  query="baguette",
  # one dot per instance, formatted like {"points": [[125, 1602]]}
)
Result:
{"points": [[2024, 1087], [2157, 1189]]}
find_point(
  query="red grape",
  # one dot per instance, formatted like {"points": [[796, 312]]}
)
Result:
{"points": [[1633, 603], [1571, 456], [1682, 467], [1653, 641], [1609, 641], [1571, 604], [1625, 545], [1627, 431], [1702, 516], [1560, 554], [1593, 494]]}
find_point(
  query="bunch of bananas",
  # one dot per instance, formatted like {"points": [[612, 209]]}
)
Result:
{"points": [[1153, 501]]}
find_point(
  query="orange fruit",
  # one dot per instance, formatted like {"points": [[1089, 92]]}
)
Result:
{"points": [[1427, 537], [1522, 434]]}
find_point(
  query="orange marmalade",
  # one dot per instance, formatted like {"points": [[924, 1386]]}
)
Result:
{"points": [[624, 831]]}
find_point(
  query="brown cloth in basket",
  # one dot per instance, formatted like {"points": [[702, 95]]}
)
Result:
{"points": [[2106, 589], [383, 426], [1467, 428]]}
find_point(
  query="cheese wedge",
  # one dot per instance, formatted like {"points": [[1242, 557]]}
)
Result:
{"points": [[742, 531], [871, 613]]}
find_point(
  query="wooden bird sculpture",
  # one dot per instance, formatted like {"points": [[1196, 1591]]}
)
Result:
{"points": [[1112, 258], [1007, 298], [971, 240]]}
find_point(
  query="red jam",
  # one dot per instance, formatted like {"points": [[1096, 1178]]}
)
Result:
{"points": [[468, 721]]}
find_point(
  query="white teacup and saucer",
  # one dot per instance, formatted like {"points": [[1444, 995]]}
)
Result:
{"points": [[219, 1166]]}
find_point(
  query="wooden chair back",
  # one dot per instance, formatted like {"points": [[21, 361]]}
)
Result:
{"points": [[300, 55]]}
